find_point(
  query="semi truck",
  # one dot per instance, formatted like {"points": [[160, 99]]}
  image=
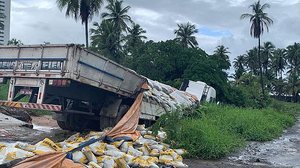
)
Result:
{"points": [[84, 90]]}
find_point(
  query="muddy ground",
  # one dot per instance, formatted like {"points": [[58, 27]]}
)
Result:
{"points": [[15, 130], [282, 152]]}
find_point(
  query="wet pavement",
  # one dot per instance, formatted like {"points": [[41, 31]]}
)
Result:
{"points": [[12, 130], [281, 152]]}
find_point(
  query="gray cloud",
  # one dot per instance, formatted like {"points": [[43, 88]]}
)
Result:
{"points": [[36, 21]]}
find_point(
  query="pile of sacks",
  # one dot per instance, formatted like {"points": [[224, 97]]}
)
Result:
{"points": [[168, 96], [147, 151]]}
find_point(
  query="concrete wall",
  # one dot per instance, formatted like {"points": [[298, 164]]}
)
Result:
{"points": [[5, 8]]}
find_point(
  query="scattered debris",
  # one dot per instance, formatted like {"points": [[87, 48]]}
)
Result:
{"points": [[147, 151]]}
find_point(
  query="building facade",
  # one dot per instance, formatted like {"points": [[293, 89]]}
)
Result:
{"points": [[4, 21]]}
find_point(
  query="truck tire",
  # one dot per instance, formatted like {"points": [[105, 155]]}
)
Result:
{"points": [[71, 123], [77, 123], [62, 125]]}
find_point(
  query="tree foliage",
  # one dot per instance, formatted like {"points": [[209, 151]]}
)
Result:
{"points": [[14, 41], [117, 15], [281, 69], [259, 22], [185, 35], [84, 10]]}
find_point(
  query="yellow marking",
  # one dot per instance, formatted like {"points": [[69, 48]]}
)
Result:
{"points": [[18, 105]]}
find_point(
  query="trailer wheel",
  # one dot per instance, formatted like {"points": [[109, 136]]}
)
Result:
{"points": [[62, 125], [77, 122]]}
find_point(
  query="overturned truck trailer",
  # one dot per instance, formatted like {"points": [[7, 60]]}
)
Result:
{"points": [[83, 89]]}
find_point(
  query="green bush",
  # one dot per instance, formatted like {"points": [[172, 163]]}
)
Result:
{"points": [[251, 124], [3, 91], [213, 131]]}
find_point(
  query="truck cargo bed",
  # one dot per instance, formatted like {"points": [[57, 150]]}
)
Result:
{"points": [[68, 62]]}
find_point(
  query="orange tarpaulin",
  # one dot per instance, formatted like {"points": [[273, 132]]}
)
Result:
{"points": [[49, 160], [129, 122]]}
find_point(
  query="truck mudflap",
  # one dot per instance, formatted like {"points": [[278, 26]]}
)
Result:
{"points": [[49, 107]]}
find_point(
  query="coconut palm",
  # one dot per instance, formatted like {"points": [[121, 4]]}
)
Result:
{"points": [[221, 55], [81, 9], [238, 65], [117, 15], [185, 34], [267, 53], [135, 35], [251, 61], [105, 40], [293, 57], [293, 86], [279, 62], [259, 22]]}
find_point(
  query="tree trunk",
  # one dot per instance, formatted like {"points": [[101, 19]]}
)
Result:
{"points": [[86, 34], [260, 69]]}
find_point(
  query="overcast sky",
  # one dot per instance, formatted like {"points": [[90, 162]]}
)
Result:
{"points": [[37, 21]]}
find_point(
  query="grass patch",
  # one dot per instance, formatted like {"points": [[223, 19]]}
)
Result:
{"points": [[38, 113], [4, 91], [213, 131], [206, 140]]}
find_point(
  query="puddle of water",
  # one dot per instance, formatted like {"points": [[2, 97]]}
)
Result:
{"points": [[42, 128], [284, 151]]}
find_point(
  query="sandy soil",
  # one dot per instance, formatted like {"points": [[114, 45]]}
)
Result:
{"points": [[44, 121]]}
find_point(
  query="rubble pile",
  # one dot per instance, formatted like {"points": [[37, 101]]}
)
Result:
{"points": [[147, 151]]}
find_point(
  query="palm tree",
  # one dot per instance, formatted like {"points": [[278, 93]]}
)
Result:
{"points": [[117, 15], [293, 87], [267, 53], [251, 61], [278, 61], [106, 41], [221, 55], [293, 58], [135, 35], [83, 9], [185, 33], [259, 21], [238, 65]]}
